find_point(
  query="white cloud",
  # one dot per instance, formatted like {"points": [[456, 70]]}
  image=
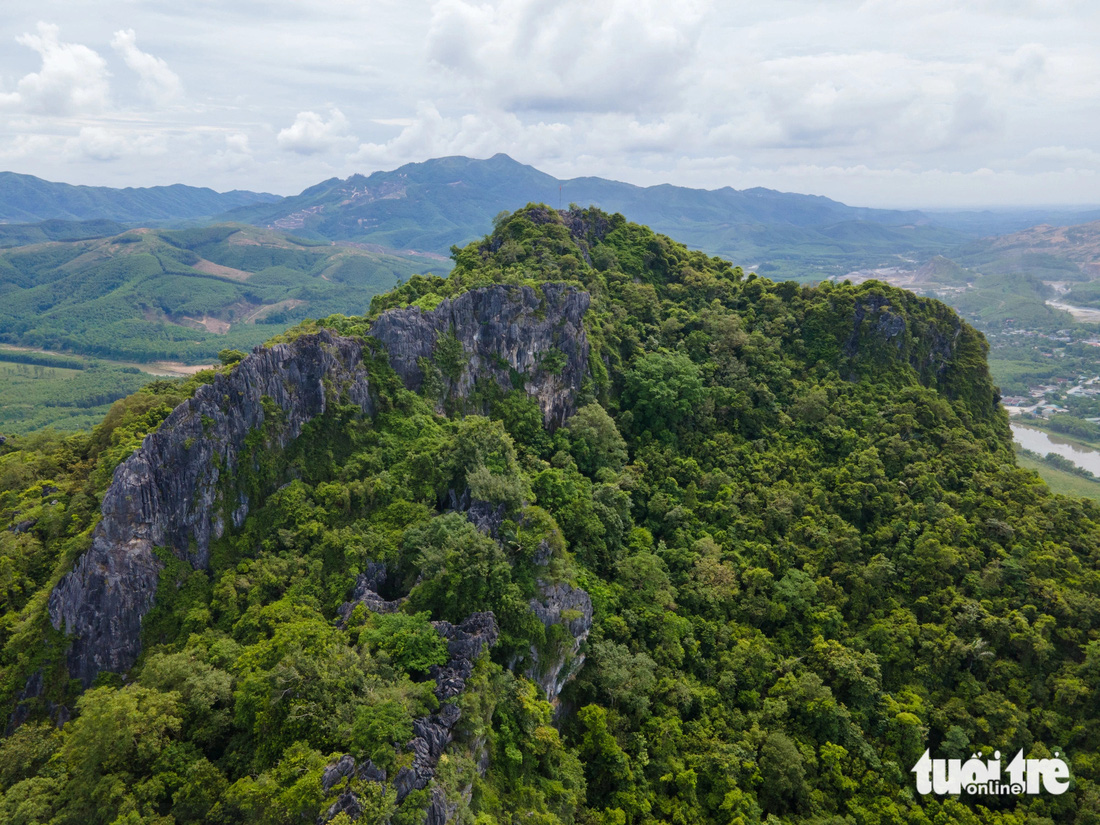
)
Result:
{"points": [[870, 101], [236, 155], [311, 134], [73, 78], [101, 144], [568, 55], [157, 82], [431, 134], [1058, 159]]}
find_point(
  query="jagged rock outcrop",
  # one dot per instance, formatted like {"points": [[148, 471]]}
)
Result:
{"points": [[484, 515], [432, 733], [365, 593], [570, 607], [557, 604], [167, 493], [508, 334]]}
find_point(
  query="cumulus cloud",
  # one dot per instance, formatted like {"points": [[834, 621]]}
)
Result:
{"points": [[99, 143], [157, 82], [72, 79], [568, 55], [1057, 159], [236, 154], [311, 134]]}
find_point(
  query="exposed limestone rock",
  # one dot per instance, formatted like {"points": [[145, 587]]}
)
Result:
{"points": [[23, 526], [366, 593], [166, 493], [944, 352], [506, 333], [482, 514], [570, 607], [345, 768]]}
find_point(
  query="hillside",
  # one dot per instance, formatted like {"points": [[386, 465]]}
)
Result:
{"points": [[185, 294], [1053, 253], [445, 201], [27, 199], [597, 529]]}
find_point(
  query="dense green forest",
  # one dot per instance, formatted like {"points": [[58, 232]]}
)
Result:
{"points": [[810, 553], [186, 294]]}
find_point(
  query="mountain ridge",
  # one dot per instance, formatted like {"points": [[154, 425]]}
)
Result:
{"points": [[29, 199]]}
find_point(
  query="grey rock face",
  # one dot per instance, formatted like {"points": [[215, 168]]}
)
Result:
{"points": [[503, 330], [434, 733], [482, 514], [878, 324], [345, 768], [166, 493], [366, 593], [340, 769], [571, 607]]}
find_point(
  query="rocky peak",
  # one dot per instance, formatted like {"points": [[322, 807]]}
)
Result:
{"points": [[510, 335]]}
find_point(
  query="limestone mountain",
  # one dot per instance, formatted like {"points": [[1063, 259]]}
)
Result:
{"points": [[596, 529]]}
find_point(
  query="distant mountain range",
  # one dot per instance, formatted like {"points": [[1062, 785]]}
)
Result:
{"points": [[27, 199], [445, 201], [430, 206]]}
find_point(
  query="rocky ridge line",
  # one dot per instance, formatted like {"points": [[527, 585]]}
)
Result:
{"points": [[167, 493]]}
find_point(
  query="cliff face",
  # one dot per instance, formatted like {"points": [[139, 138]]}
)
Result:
{"points": [[509, 335], [883, 333], [166, 495]]}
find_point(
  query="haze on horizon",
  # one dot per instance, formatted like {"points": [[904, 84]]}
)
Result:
{"points": [[897, 103]]}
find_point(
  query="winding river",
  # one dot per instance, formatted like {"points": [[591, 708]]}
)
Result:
{"points": [[1040, 442]]}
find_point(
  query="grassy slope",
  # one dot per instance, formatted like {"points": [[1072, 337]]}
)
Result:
{"points": [[1059, 481]]}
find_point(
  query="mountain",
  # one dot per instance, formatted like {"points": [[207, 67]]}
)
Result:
{"points": [[438, 203], [27, 199], [597, 529], [25, 234], [149, 294], [1060, 253], [1005, 221]]}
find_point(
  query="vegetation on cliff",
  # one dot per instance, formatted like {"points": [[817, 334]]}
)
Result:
{"points": [[808, 547]]}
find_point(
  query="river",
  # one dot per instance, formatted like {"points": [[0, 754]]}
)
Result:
{"points": [[1039, 442]]}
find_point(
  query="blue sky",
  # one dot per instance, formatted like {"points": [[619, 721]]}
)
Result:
{"points": [[885, 102]]}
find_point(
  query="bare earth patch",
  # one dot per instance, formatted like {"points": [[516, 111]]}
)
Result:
{"points": [[211, 268], [177, 368], [215, 325]]}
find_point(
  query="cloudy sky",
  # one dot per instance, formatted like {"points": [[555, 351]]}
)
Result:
{"points": [[882, 102]]}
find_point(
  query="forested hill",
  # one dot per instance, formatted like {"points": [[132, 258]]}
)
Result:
{"points": [[27, 199], [595, 530], [148, 294]]}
